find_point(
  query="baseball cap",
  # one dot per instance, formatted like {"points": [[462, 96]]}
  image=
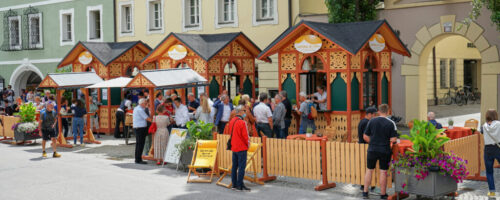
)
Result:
{"points": [[371, 110]]}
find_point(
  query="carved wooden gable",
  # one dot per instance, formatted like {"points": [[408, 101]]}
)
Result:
{"points": [[48, 83]]}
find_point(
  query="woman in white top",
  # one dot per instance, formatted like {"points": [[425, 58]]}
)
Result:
{"points": [[203, 112], [491, 134]]}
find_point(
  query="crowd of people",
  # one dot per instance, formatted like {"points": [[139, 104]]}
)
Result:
{"points": [[46, 104]]}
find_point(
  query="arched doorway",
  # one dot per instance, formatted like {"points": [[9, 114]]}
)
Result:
{"points": [[26, 76], [415, 69], [231, 80]]}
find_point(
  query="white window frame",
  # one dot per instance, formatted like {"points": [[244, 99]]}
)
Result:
{"points": [[122, 31], [149, 29], [186, 14], [89, 10], [62, 13], [219, 16], [258, 20], [40, 34], [20, 41]]}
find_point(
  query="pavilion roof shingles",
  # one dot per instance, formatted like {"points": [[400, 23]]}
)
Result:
{"points": [[206, 45], [350, 36]]}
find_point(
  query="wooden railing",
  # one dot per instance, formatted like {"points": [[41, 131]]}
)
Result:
{"points": [[469, 148], [224, 157]]}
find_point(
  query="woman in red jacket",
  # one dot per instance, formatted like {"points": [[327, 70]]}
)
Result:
{"points": [[239, 147]]}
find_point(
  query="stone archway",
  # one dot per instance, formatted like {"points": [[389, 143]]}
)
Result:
{"points": [[21, 74], [414, 68]]}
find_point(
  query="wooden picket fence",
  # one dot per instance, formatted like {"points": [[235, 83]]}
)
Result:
{"points": [[347, 163], [294, 158], [1, 127], [470, 148], [8, 122], [224, 157]]}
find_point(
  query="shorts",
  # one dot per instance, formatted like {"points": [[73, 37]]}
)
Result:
{"points": [[383, 158], [48, 133]]}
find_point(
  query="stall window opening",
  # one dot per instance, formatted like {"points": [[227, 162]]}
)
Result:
{"points": [[312, 75], [231, 80], [370, 87]]}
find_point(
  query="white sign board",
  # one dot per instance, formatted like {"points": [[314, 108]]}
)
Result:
{"points": [[104, 93], [377, 43], [172, 154], [308, 44]]}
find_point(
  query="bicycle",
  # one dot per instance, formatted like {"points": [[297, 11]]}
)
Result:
{"points": [[469, 95], [448, 99], [477, 95], [460, 97]]}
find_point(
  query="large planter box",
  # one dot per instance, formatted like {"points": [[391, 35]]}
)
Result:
{"points": [[22, 136], [433, 185]]}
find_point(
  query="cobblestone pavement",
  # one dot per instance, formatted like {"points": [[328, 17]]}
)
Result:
{"points": [[118, 154], [445, 111]]}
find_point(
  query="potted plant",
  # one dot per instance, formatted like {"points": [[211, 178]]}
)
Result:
{"points": [[427, 170], [309, 132], [450, 123], [196, 131], [27, 127]]}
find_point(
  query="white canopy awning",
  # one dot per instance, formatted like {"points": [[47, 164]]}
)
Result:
{"points": [[168, 79], [112, 83]]}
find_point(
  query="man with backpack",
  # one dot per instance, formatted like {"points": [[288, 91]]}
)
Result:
{"points": [[307, 113], [49, 121]]}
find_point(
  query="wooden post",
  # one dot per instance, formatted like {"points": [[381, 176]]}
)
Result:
{"points": [[477, 176], [324, 169], [265, 176], [61, 140], [89, 136]]}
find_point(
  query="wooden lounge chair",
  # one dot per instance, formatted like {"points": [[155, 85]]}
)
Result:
{"points": [[252, 152], [204, 157], [471, 123]]}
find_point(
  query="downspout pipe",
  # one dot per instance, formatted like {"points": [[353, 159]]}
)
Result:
{"points": [[290, 13], [114, 22]]}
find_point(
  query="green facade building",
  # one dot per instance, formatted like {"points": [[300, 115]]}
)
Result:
{"points": [[36, 34]]}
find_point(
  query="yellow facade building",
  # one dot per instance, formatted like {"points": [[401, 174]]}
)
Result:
{"points": [[261, 20]]}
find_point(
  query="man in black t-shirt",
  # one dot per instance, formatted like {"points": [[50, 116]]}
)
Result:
{"points": [[370, 113], [379, 134]]}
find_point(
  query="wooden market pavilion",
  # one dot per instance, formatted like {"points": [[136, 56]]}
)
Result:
{"points": [[108, 60], [352, 61], [165, 79], [220, 58], [66, 81]]}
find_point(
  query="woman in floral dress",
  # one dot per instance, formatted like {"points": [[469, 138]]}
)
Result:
{"points": [[161, 135]]}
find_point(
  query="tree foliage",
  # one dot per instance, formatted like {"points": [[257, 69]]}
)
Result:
{"points": [[492, 5], [340, 11]]}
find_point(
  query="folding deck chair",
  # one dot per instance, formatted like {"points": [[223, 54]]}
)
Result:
{"points": [[252, 152], [204, 156]]}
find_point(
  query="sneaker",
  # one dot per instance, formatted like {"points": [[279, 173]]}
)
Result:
{"points": [[245, 189], [491, 194], [365, 195], [82, 145], [56, 155], [384, 196], [234, 187], [44, 154]]}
